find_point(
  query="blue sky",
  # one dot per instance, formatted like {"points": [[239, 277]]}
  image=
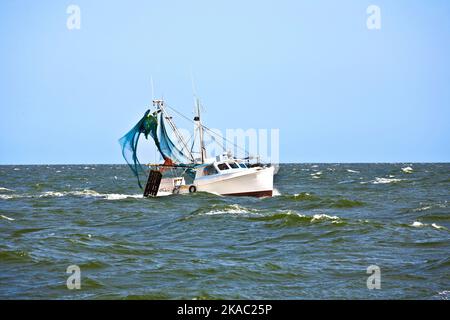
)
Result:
{"points": [[337, 91]]}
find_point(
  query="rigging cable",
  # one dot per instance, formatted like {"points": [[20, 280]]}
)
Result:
{"points": [[211, 131]]}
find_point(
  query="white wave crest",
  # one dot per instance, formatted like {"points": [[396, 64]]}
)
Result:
{"points": [[319, 217], [7, 218], [6, 189], [407, 170], [48, 194], [419, 224], [108, 196], [293, 213], [434, 225], [444, 294], [316, 175], [87, 193], [231, 209], [346, 181], [422, 208], [118, 196], [385, 180], [8, 196], [352, 171]]}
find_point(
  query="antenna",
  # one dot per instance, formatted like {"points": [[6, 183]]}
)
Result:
{"points": [[198, 122], [194, 92]]}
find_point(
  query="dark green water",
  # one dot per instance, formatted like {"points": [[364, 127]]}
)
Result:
{"points": [[313, 241]]}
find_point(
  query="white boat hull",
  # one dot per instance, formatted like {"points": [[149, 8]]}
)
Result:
{"points": [[257, 182]]}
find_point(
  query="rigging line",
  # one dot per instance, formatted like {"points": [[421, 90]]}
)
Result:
{"points": [[214, 140], [189, 140], [221, 145], [218, 135], [174, 128], [193, 141], [186, 143], [181, 115], [205, 127]]}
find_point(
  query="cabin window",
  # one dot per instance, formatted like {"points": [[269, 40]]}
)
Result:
{"points": [[209, 170], [242, 165], [233, 165], [223, 166]]}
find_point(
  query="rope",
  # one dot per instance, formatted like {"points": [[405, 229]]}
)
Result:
{"points": [[211, 131]]}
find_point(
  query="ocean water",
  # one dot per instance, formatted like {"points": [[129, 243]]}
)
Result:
{"points": [[314, 240]]}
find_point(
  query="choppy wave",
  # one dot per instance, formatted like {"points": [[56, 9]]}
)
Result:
{"points": [[418, 224], [424, 208], [6, 218], [302, 196], [346, 181], [93, 264], [20, 232], [8, 196], [444, 295], [224, 209], [316, 175], [108, 196], [347, 203], [316, 201], [263, 215], [86, 193], [290, 218], [14, 256], [281, 215], [407, 170], [385, 180], [324, 217], [185, 246]]}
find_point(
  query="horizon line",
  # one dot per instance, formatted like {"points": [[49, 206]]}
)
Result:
{"points": [[280, 163]]}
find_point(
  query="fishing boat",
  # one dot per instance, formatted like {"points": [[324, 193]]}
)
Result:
{"points": [[186, 167]]}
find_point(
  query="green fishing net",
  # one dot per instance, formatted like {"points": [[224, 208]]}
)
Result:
{"points": [[129, 142], [153, 125]]}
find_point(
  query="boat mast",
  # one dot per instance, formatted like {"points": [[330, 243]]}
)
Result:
{"points": [[198, 122], [200, 132]]}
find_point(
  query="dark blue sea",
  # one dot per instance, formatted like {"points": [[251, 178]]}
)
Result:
{"points": [[314, 240]]}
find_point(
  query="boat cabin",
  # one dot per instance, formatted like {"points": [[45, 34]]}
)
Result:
{"points": [[221, 167]]}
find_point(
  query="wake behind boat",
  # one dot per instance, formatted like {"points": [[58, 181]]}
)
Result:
{"points": [[187, 169]]}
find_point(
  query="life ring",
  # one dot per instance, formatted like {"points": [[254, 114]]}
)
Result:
{"points": [[192, 189]]}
